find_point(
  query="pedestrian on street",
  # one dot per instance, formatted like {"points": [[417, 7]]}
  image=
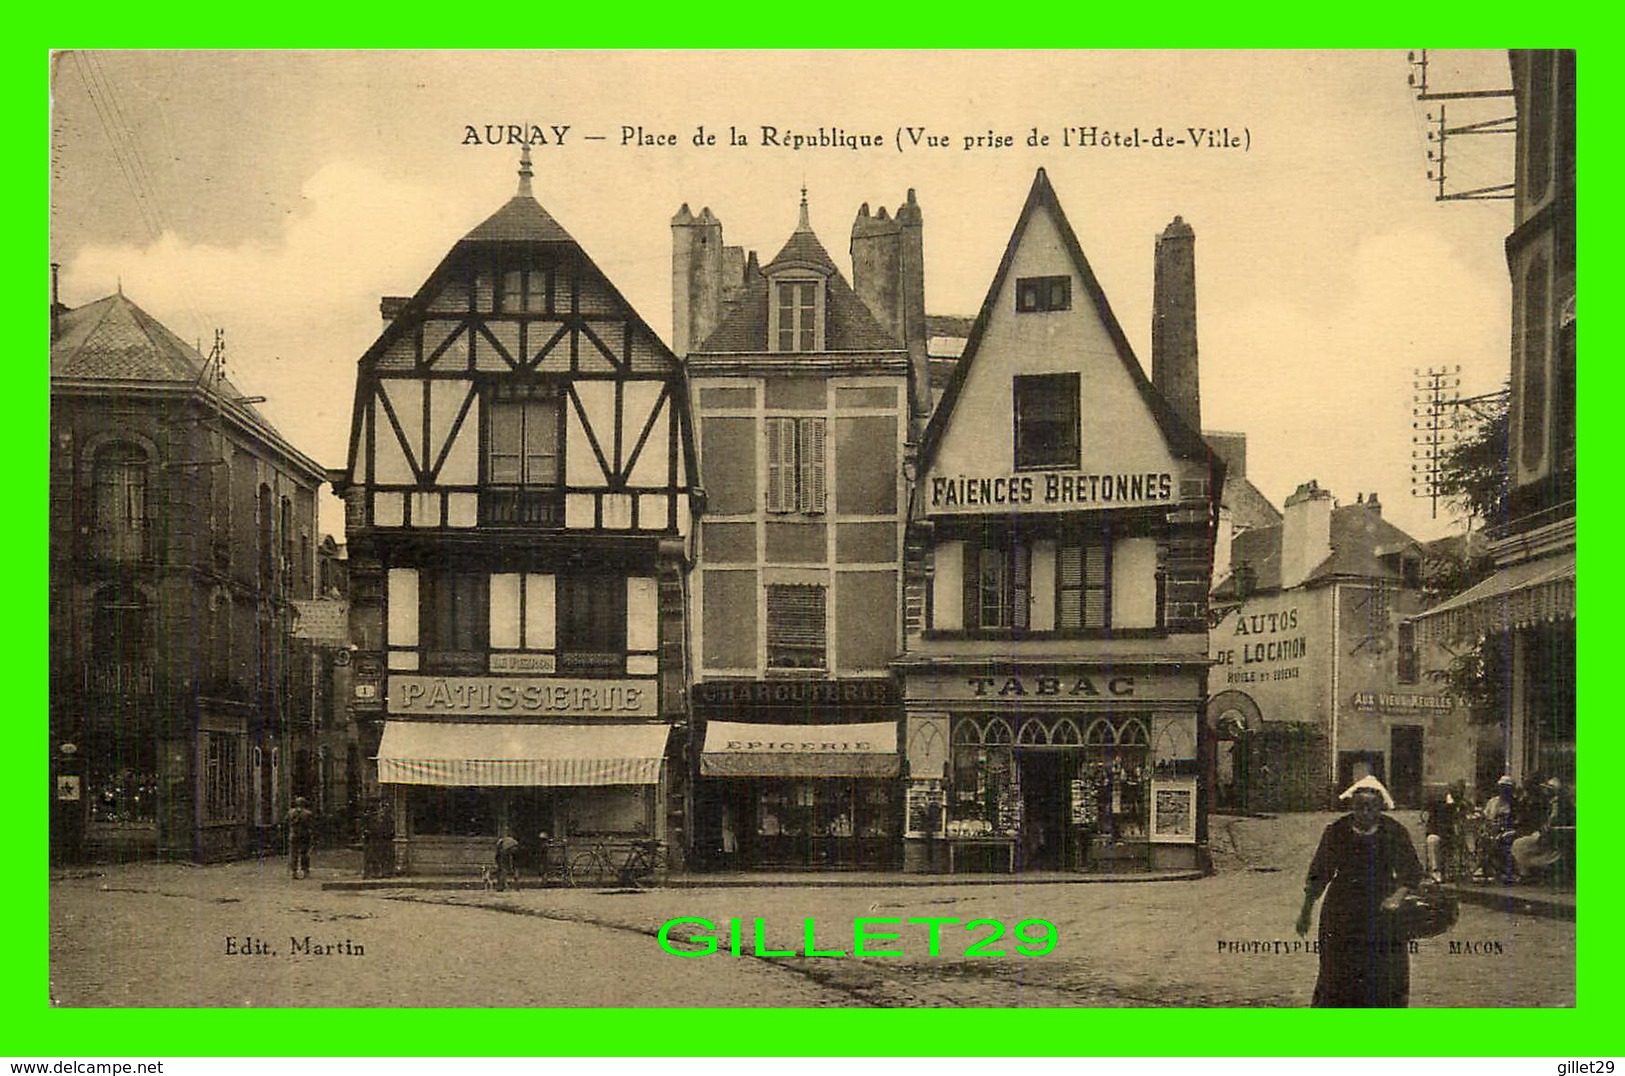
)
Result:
{"points": [[506, 845], [301, 823], [1366, 865]]}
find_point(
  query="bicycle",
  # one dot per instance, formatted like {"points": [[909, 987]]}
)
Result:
{"points": [[555, 863], [596, 866]]}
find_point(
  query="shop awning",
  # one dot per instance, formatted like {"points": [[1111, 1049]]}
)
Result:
{"points": [[1517, 596], [448, 753], [737, 749]]}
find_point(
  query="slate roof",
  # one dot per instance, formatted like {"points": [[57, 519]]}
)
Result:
{"points": [[1360, 538], [521, 218], [113, 339], [848, 324]]}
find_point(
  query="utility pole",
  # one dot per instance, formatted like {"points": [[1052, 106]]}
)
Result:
{"points": [[1440, 131], [1435, 428]]}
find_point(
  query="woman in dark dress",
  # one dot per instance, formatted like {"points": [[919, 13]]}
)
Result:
{"points": [[1365, 865]]}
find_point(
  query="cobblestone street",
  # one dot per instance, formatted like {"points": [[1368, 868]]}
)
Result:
{"points": [[159, 935]]}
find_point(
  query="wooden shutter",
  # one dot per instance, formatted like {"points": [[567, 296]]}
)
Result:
{"points": [[810, 455], [1069, 587], [781, 462], [1094, 586], [795, 627], [1020, 585]]}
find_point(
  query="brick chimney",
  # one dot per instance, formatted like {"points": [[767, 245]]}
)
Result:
{"points": [[1173, 323], [390, 306], [1306, 532], [888, 273]]}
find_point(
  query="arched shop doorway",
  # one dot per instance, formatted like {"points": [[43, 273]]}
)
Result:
{"points": [[1239, 775], [1069, 792]]}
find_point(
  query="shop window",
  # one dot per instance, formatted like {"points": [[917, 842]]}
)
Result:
{"points": [[1408, 656], [120, 506], [1047, 421], [523, 456], [985, 795], [222, 776], [453, 812], [795, 310], [122, 779], [592, 625], [795, 465], [795, 627], [1035, 294], [1114, 779], [453, 620]]}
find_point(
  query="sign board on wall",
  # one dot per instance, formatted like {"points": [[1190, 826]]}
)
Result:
{"points": [[1049, 490], [1173, 811], [469, 696], [324, 621], [1259, 645], [1074, 685]]}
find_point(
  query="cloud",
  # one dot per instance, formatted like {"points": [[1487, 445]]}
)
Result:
{"points": [[1323, 385], [297, 312]]}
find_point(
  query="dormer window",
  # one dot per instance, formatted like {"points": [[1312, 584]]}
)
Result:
{"points": [[797, 326]]}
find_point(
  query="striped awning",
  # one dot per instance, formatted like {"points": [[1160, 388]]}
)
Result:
{"points": [[452, 753], [1517, 596], [738, 749]]}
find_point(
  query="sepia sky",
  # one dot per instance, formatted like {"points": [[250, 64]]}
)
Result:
{"points": [[279, 195]]}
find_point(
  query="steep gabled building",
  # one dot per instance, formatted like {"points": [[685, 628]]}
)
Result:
{"points": [[802, 385], [518, 505], [1058, 558], [182, 532]]}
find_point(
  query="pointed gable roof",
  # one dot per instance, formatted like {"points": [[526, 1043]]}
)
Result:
{"points": [[1183, 441]]}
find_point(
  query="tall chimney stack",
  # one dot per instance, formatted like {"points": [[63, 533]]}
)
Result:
{"points": [[888, 273], [1173, 323], [1306, 533], [57, 309]]}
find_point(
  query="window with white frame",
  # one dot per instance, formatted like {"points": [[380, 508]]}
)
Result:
{"points": [[795, 465], [796, 315]]}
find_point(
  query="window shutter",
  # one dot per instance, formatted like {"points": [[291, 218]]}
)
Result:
{"points": [[972, 573], [1094, 582], [811, 455], [795, 627], [1020, 586], [781, 453], [1069, 587]]}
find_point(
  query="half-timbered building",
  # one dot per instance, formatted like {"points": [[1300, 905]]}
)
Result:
{"points": [[517, 506], [1057, 572]]}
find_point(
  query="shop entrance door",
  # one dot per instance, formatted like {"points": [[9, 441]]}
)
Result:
{"points": [[1405, 754], [531, 812], [1044, 808]]}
